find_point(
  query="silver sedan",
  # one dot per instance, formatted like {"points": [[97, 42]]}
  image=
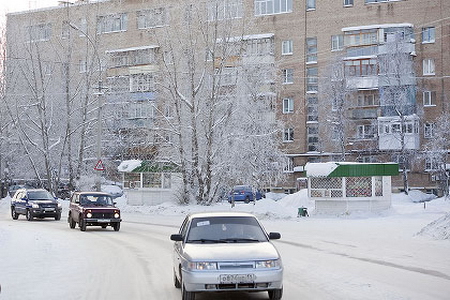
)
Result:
{"points": [[225, 252]]}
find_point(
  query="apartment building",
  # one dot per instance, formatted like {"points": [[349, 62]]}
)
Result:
{"points": [[367, 111]]}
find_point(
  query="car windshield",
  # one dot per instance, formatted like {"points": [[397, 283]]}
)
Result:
{"points": [[96, 200], [225, 230], [39, 195]]}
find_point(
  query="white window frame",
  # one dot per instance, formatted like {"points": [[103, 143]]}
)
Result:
{"points": [[288, 105], [288, 135], [225, 10], [272, 7], [428, 66], [287, 47], [337, 42], [288, 76], [429, 130], [428, 35], [348, 3], [112, 23], [310, 5], [151, 18], [428, 98]]}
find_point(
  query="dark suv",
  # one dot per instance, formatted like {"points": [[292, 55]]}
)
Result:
{"points": [[93, 209], [37, 203]]}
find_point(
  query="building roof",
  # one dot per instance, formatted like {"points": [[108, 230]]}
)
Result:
{"points": [[350, 169]]}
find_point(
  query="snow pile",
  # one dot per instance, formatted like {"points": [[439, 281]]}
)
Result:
{"points": [[415, 196], [438, 229]]}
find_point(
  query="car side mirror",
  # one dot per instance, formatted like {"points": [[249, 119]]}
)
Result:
{"points": [[176, 237], [274, 236]]}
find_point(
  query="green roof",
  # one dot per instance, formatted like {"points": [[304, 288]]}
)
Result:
{"points": [[153, 167]]}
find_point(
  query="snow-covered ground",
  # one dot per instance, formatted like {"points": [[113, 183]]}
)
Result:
{"points": [[400, 253]]}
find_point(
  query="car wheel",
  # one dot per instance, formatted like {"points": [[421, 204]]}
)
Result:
{"points": [[82, 224], [276, 294], [72, 223], [116, 226], [176, 282], [14, 214], [247, 199], [29, 215], [58, 217], [185, 295]]}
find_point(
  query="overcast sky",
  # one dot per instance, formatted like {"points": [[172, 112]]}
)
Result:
{"points": [[7, 6]]}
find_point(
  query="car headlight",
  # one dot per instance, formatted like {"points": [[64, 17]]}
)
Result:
{"points": [[59, 205], [89, 215], [34, 205], [271, 263], [117, 215], [202, 266]]}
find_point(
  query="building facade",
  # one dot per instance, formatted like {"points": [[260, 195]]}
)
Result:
{"points": [[354, 80]]}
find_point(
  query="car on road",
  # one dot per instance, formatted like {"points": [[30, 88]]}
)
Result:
{"points": [[244, 193], [93, 209], [35, 203], [226, 252], [13, 189]]}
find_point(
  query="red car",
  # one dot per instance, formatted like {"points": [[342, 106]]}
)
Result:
{"points": [[93, 209]]}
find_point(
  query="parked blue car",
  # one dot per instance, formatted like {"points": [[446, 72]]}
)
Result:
{"points": [[244, 193]]}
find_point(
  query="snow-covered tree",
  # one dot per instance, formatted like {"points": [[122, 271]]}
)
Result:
{"points": [[218, 131], [400, 121], [436, 152]]}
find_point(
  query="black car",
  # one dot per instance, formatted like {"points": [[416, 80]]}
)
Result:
{"points": [[93, 209], [35, 203]]}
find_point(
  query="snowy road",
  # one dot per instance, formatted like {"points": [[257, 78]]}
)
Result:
{"points": [[324, 259]]}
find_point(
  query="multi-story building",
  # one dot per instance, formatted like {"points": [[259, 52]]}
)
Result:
{"points": [[360, 80]]}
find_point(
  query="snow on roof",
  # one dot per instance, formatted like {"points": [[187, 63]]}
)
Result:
{"points": [[320, 169], [247, 37], [129, 165], [350, 169], [376, 26], [132, 49]]}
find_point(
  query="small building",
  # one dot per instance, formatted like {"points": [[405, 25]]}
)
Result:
{"points": [[149, 183], [343, 187]]}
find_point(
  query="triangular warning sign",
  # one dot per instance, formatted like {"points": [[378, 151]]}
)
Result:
{"points": [[99, 166]]}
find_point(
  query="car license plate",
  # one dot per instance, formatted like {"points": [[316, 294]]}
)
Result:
{"points": [[49, 209], [103, 220], [237, 278]]}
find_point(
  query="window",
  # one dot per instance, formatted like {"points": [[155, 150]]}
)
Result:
{"points": [[142, 83], [428, 66], [428, 35], [258, 47], [363, 67], [378, 1], [288, 105], [39, 33], [312, 79], [431, 164], [112, 23], [269, 7], [371, 99], [429, 130], [366, 131], [310, 4], [82, 66], [225, 10], [288, 76], [348, 2], [151, 18], [428, 98], [287, 48], [311, 51], [337, 42], [288, 135]]}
